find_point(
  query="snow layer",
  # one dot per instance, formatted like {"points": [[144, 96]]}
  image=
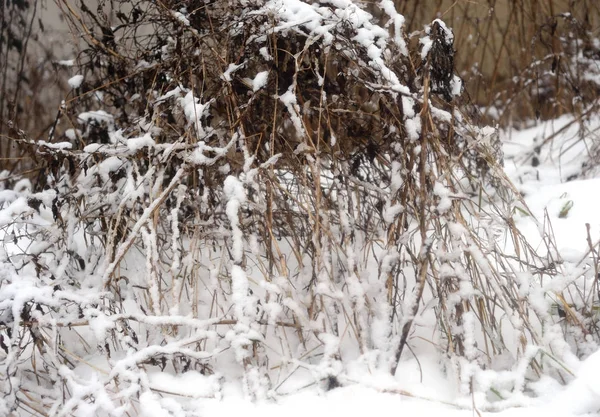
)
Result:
{"points": [[75, 82]]}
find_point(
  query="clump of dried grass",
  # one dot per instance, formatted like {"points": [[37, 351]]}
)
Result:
{"points": [[336, 203]]}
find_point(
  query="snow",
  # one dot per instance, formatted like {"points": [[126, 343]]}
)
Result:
{"points": [[135, 144], [426, 43], [97, 115], [413, 128], [289, 100], [371, 399], [194, 111], [57, 145], [172, 93], [181, 18], [583, 394], [75, 81], [390, 213], [234, 190], [443, 193], [260, 80], [230, 70], [398, 20], [264, 52], [457, 85], [549, 188], [191, 384], [447, 31], [66, 62], [72, 134]]}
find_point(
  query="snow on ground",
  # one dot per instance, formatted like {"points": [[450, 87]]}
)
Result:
{"points": [[362, 401], [378, 395], [548, 174]]}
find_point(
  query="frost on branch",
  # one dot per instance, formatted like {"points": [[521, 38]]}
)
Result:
{"points": [[257, 192]]}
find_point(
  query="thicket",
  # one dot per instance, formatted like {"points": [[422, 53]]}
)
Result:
{"points": [[288, 187]]}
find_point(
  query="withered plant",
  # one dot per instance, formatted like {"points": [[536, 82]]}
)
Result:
{"points": [[288, 186]]}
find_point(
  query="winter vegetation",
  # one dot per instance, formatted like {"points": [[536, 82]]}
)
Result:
{"points": [[219, 207]]}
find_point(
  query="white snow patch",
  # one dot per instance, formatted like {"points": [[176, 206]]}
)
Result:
{"points": [[75, 81], [230, 70], [181, 17], [66, 62], [260, 80], [97, 115], [194, 111], [444, 194], [72, 134], [135, 144], [236, 196]]}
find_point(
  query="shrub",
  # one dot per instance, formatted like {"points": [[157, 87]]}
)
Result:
{"points": [[292, 187]]}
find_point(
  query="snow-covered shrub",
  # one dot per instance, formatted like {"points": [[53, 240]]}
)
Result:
{"points": [[277, 185]]}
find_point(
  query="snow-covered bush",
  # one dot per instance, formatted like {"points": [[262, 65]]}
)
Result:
{"points": [[261, 190]]}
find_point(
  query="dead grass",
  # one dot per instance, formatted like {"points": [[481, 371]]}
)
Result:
{"points": [[519, 57], [352, 218]]}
